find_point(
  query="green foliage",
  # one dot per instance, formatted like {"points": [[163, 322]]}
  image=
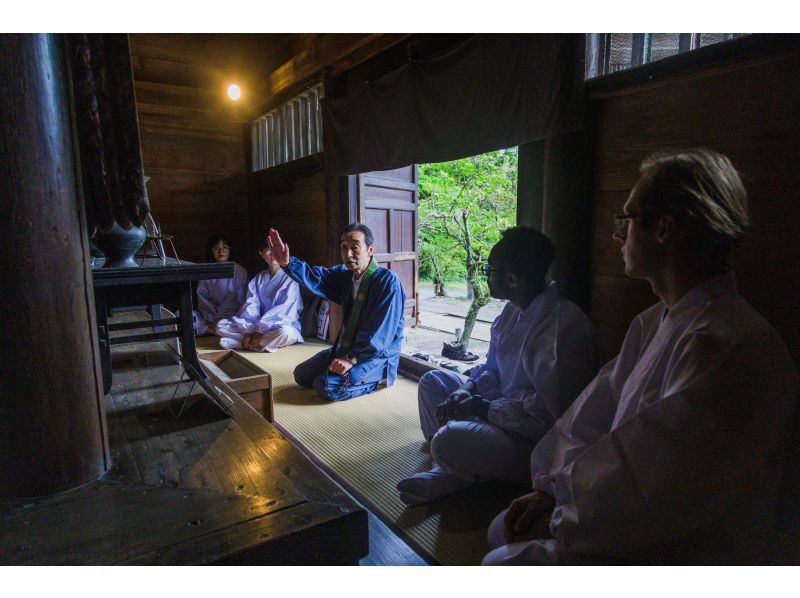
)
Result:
{"points": [[463, 207]]}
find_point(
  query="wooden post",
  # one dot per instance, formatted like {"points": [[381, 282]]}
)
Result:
{"points": [[530, 184], [567, 213], [52, 424]]}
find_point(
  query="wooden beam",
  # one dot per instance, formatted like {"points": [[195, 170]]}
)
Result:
{"points": [[367, 51], [327, 50]]}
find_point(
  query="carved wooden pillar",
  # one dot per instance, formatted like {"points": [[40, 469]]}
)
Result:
{"points": [[52, 424]]}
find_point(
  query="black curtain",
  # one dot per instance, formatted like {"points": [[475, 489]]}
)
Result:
{"points": [[492, 91], [108, 130]]}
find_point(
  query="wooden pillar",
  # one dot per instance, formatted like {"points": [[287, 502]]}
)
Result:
{"points": [[567, 213], [553, 196], [52, 424], [530, 184]]}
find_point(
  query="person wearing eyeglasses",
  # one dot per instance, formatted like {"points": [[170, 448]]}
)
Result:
{"points": [[673, 453], [541, 354]]}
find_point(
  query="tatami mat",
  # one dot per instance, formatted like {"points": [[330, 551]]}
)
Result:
{"points": [[372, 442]]}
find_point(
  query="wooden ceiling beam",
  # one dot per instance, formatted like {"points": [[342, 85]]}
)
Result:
{"points": [[338, 50], [367, 51]]}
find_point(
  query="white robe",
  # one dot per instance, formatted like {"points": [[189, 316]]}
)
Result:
{"points": [[538, 362], [272, 310], [219, 298], [673, 452]]}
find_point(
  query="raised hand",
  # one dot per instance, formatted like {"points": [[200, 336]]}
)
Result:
{"points": [[278, 249]]}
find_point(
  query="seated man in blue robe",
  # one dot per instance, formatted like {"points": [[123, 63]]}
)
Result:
{"points": [[367, 351]]}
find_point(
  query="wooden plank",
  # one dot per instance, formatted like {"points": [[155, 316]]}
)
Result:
{"points": [[233, 374], [213, 155], [747, 111], [389, 183], [310, 534], [192, 452], [367, 51], [190, 127], [160, 70], [325, 50], [105, 524], [149, 92], [400, 256], [388, 550], [218, 490], [230, 115]]}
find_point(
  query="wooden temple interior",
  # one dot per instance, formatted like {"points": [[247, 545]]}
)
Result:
{"points": [[68, 453]]}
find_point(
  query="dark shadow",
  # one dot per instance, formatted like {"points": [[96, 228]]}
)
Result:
{"points": [[470, 509], [297, 395], [159, 419]]}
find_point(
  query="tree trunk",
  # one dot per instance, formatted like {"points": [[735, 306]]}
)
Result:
{"points": [[480, 298], [438, 283]]}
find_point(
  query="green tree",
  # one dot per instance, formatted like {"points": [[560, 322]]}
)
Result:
{"points": [[463, 207]]}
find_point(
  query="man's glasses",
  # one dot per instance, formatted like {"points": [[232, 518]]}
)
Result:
{"points": [[486, 269], [621, 224]]}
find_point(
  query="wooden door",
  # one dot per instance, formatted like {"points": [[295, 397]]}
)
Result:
{"points": [[387, 204]]}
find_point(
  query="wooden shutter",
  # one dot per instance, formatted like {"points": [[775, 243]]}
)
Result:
{"points": [[387, 204]]}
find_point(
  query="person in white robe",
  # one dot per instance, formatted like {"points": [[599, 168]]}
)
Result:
{"points": [[270, 316], [222, 297], [540, 357], [673, 453]]}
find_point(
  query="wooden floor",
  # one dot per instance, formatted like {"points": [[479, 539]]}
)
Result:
{"points": [[205, 487], [386, 548]]}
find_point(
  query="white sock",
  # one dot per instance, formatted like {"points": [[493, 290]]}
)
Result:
{"points": [[428, 486], [228, 343]]}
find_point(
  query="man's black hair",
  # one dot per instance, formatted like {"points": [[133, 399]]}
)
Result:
{"points": [[369, 238], [526, 252], [213, 240]]}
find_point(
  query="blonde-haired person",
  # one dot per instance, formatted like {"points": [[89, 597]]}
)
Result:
{"points": [[673, 453]]}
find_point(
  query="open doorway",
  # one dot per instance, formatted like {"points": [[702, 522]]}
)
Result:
{"points": [[464, 205]]}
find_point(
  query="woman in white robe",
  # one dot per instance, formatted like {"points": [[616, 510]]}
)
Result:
{"points": [[222, 297], [673, 453], [270, 316]]}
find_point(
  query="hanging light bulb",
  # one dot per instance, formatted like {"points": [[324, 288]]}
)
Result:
{"points": [[234, 92]]}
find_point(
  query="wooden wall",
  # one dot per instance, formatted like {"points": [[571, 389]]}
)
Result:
{"points": [[193, 143], [194, 140], [299, 211], [750, 112]]}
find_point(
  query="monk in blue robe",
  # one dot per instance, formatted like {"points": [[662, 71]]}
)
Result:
{"points": [[367, 350]]}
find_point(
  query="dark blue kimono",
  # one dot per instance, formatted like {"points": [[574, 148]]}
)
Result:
{"points": [[378, 337]]}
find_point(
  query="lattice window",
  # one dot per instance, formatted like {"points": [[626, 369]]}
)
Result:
{"points": [[292, 130], [611, 52]]}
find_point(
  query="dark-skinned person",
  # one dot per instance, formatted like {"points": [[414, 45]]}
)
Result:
{"points": [[540, 357], [673, 453], [366, 353]]}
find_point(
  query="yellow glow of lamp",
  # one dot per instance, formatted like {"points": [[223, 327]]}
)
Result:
{"points": [[234, 92]]}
